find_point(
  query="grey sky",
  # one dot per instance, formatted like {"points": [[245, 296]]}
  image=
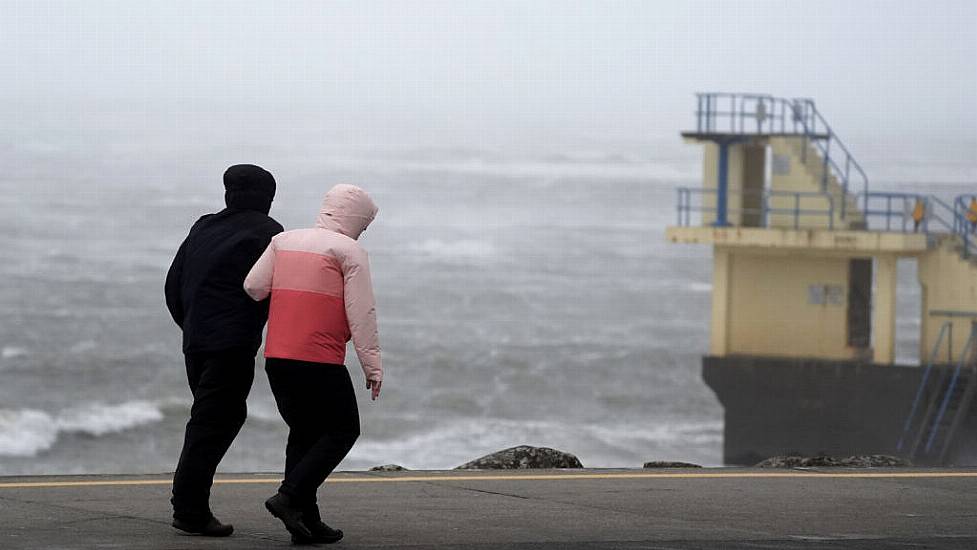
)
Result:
{"points": [[473, 74]]}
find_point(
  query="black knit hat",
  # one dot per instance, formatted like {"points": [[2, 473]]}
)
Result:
{"points": [[249, 187]]}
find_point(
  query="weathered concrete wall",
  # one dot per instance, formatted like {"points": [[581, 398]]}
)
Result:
{"points": [[810, 407], [794, 308]]}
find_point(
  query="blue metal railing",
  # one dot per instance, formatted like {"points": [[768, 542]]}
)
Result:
{"points": [[946, 327], [797, 211], [896, 211], [843, 174], [964, 356], [744, 114], [760, 114], [893, 211], [963, 224], [739, 114]]}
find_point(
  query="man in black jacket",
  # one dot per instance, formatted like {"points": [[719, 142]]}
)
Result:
{"points": [[221, 334]]}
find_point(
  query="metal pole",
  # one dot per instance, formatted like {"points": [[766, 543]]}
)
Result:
{"points": [[949, 349], [797, 210], [722, 219], [888, 212], [698, 114]]}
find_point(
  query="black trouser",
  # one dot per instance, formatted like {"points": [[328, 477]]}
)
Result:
{"points": [[317, 402], [220, 383]]}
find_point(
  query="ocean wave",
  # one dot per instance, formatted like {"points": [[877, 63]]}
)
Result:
{"points": [[11, 352], [467, 249], [597, 445], [262, 411], [27, 432], [699, 287]]}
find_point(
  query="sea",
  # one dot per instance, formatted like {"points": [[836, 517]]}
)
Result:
{"points": [[522, 299]]}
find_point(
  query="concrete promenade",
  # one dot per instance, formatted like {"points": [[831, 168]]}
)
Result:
{"points": [[524, 510]]}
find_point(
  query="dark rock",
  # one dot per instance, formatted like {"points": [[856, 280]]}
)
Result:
{"points": [[668, 464], [858, 461], [388, 468], [523, 457]]}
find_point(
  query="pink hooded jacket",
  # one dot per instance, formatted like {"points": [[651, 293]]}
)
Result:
{"points": [[320, 287]]}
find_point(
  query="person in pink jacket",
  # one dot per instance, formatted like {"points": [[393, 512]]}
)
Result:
{"points": [[321, 297]]}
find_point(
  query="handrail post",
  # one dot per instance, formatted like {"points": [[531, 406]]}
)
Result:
{"points": [[797, 210], [698, 113], [678, 206], [949, 351], [888, 212], [904, 206], [824, 171], [949, 393], [831, 212], [722, 185], [922, 384]]}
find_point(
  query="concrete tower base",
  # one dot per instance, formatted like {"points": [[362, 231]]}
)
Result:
{"points": [[813, 406]]}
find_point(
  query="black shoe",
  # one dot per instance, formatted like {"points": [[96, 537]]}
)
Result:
{"points": [[210, 528], [321, 534], [281, 507]]}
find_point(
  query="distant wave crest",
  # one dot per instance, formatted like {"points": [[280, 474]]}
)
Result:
{"points": [[466, 249], [10, 352], [27, 432], [597, 445]]}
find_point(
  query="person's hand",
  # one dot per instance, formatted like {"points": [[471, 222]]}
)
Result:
{"points": [[375, 386]]}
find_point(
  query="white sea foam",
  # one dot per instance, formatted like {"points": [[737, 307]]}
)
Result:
{"points": [[83, 346], [26, 432], [263, 411], [467, 249], [597, 445], [699, 287], [10, 352]]}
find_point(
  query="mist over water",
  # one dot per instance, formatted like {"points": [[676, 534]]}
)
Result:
{"points": [[520, 302], [516, 305]]}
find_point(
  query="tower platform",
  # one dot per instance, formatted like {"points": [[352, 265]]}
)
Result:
{"points": [[805, 288]]}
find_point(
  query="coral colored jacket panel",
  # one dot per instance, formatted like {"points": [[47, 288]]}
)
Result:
{"points": [[321, 297]]}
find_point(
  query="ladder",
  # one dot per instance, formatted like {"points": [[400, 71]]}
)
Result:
{"points": [[948, 394]]}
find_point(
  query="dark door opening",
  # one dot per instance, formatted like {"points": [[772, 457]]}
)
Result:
{"points": [[860, 302]]}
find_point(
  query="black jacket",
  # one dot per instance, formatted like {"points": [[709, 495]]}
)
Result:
{"points": [[205, 284]]}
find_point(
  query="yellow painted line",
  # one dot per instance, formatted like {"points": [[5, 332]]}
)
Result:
{"points": [[508, 477]]}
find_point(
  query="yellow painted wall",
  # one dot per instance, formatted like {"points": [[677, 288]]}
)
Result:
{"points": [[768, 310], [744, 179], [719, 327], [949, 282], [792, 172]]}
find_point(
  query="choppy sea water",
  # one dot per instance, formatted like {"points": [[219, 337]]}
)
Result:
{"points": [[529, 305]]}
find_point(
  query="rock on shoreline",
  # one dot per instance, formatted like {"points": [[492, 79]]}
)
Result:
{"points": [[858, 461], [523, 457], [388, 468], [670, 464]]}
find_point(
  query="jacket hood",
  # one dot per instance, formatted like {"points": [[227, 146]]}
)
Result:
{"points": [[347, 209], [249, 187]]}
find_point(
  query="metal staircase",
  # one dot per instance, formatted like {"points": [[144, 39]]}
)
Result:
{"points": [[821, 150], [844, 188], [947, 392], [943, 222]]}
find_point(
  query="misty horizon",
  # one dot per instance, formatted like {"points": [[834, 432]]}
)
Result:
{"points": [[472, 82]]}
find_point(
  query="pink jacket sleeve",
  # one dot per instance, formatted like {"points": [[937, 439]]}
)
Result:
{"points": [[258, 282], [361, 312]]}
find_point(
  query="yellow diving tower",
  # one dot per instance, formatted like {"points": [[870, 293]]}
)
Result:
{"points": [[803, 330]]}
